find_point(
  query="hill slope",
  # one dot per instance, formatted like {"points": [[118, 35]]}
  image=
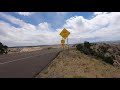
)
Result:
{"points": [[78, 65]]}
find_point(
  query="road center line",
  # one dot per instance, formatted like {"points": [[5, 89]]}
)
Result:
{"points": [[22, 58]]}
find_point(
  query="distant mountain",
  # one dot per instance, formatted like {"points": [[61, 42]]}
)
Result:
{"points": [[107, 42], [32, 46], [27, 46], [116, 41]]}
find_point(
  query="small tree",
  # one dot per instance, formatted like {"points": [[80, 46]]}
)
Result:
{"points": [[87, 44], [3, 48], [79, 47]]}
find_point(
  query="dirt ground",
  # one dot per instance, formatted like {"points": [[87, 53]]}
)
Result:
{"points": [[30, 49], [74, 64]]}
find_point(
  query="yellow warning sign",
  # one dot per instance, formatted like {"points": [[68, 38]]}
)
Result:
{"points": [[64, 33], [62, 41]]}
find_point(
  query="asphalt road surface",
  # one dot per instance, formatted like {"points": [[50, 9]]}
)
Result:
{"points": [[27, 64]]}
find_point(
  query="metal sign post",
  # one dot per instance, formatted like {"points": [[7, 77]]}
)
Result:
{"points": [[68, 45], [64, 33], [62, 44]]}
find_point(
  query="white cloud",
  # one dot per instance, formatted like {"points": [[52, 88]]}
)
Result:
{"points": [[76, 23], [25, 13], [12, 19], [105, 26], [17, 21], [12, 36], [27, 34], [44, 26]]}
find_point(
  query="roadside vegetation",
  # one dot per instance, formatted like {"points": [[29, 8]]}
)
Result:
{"points": [[110, 53], [76, 64], [3, 49]]}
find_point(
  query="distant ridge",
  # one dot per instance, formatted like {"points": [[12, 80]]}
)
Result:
{"points": [[107, 42], [116, 41], [30, 46]]}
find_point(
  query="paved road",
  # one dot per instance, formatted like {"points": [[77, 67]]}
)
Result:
{"points": [[25, 65]]}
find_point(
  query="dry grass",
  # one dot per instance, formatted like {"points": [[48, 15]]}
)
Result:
{"points": [[78, 65], [30, 49], [24, 49]]}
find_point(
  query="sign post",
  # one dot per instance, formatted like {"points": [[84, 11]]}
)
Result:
{"points": [[67, 44], [64, 33], [62, 43]]}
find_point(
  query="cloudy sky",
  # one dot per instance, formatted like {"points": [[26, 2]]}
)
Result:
{"points": [[43, 28]]}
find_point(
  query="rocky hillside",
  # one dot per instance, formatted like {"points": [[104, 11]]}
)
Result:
{"points": [[74, 64], [109, 53]]}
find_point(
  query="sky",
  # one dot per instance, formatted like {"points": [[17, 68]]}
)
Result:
{"points": [[43, 28]]}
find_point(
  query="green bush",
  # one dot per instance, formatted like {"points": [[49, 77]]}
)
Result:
{"points": [[92, 52], [108, 60], [86, 51], [90, 49], [100, 55], [87, 44], [103, 49], [49, 47], [85, 48], [79, 47], [3, 49]]}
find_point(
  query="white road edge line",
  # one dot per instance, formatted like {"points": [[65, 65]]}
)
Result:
{"points": [[22, 59]]}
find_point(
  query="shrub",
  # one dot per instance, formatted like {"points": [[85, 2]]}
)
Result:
{"points": [[3, 48], [49, 47], [104, 51], [108, 60], [92, 52], [87, 44], [79, 47]]}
